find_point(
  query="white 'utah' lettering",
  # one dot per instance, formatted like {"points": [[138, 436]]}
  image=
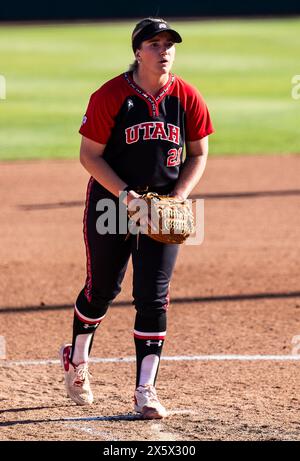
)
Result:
{"points": [[152, 130]]}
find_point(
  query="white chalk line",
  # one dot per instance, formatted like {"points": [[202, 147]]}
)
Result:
{"points": [[125, 417], [177, 358], [160, 433], [157, 429], [105, 435]]}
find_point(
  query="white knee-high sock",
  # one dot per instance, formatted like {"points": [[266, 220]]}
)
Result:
{"points": [[81, 350], [148, 369]]}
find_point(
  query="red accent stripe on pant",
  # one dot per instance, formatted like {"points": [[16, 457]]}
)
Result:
{"points": [[149, 335], [88, 282]]}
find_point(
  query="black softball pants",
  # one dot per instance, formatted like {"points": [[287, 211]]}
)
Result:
{"points": [[107, 259]]}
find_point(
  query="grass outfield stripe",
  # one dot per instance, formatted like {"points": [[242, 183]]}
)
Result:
{"points": [[177, 358], [243, 68]]}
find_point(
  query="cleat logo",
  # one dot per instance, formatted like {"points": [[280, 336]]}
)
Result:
{"points": [[149, 342]]}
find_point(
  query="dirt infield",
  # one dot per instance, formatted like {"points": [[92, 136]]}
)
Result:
{"points": [[236, 294]]}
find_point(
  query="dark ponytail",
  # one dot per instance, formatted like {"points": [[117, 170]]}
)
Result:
{"points": [[133, 67]]}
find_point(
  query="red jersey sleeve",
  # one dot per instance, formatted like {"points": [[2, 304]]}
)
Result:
{"points": [[102, 109], [198, 122]]}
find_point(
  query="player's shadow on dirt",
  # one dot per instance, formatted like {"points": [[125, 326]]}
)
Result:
{"points": [[17, 410], [208, 196], [183, 300], [124, 417]]}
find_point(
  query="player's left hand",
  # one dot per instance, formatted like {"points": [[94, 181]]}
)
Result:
{"points": [[140, 213]]}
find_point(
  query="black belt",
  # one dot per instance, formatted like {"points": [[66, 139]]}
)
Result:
{"points": [[159, 190]]}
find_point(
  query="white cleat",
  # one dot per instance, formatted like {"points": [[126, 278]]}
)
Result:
{"points": [[76, 378], [147, 403]]}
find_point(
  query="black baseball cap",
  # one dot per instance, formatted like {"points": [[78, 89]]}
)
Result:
{"points": [[148, 28]]}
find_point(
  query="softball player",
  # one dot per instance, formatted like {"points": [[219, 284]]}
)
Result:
{"points": [[133, 134]]}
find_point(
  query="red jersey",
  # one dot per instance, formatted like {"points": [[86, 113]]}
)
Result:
{"points": [[144, 134]]}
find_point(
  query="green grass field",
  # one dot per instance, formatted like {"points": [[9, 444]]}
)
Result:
{"points": [[243, 68]]}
